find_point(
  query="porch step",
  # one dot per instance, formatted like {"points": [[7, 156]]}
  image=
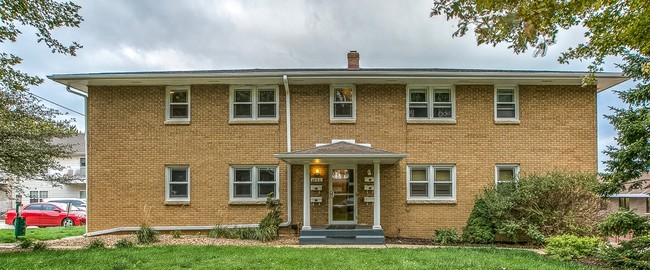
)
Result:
{"points": [[321, 236]]}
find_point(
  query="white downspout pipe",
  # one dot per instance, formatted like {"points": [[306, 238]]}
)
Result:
{"points": [[287, 103], [85, 97]]}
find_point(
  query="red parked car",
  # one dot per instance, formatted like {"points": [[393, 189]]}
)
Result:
{"points": [[48, 214]]}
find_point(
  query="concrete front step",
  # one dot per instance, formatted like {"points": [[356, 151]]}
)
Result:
{"points": [[322, 236]]}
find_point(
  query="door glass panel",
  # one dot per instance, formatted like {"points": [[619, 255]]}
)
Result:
{"points": [[342, 195]]}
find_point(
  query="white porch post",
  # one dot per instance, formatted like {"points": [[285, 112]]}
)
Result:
{"points": [[306, 201], [377, 203]]}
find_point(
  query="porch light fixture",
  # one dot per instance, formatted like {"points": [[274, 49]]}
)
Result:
{"points": [[317, 173]]}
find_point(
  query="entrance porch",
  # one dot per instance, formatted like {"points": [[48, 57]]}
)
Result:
{"points": [[341, 185]]}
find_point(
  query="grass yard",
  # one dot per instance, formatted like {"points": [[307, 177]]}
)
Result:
{"points": [[7, 235], [235, 257]]}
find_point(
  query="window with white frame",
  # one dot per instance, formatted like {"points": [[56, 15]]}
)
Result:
{"points": [[253, 183], [431, 102], [506, 103], [343, 102], [177, 183], [254, 103], [178, 103], [37, 196], [506, 174], [431, 182]]}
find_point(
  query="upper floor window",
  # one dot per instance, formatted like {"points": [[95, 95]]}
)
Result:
{"points": [[431, 182], [253, 183], [343, 103], [431, 102], [178, 103], [254, 103], [506, 103], [177, 183], [506, 174]]}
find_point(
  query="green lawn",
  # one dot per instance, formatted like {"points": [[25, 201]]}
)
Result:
{"points": [[234, 257], [7, 236]]}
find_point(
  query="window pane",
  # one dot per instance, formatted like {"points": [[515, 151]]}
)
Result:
{"points": [[178, 175], [419, 175], [178, 111], [267, 175], [243, 191], [266, 96], [82, 162], [419, 96], [442, 96], [343, 94], [443, 175], [442, 112], [242, 175], [33, 194], [242, 95], [42, 194], [442, 190], [243, 110], [178, 96], [266, 110], [418, 111], [506, 174], [505, 96], [419, 189], [178, 190], [263, 190], [343, 110], [506, 110]]}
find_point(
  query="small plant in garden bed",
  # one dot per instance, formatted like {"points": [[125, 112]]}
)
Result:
{"points": [[96, 244], [39, 246], [446, 236], [124, 243], [25, 243], [146, 235], [176, 234], [569, 247]]}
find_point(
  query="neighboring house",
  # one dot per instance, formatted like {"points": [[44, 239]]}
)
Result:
{"points": [[74, 166], [395, 152], [637, 199]]}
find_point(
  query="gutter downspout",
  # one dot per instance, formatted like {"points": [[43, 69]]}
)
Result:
{"points": [[287, 102], [85, 97]]}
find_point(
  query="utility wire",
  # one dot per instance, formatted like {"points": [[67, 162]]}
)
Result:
{"points": [[42, 98]]}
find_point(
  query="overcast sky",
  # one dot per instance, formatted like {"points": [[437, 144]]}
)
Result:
{"points": [[150, 35]]}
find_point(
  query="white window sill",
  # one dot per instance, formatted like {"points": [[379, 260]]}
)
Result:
{"points": [[252, 122], [177, 122], [343, 121], [506, 121], [429, 201], [432, 121], [247, 202], [167, 202]]}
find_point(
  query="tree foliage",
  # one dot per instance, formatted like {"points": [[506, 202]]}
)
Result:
{"points": [[616, 28], [27, 127]]}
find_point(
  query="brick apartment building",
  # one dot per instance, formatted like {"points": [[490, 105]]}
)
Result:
{"points": [[365, 152]]}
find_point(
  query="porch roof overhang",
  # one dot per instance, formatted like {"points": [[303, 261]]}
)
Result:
{"points": [[341, 152]]}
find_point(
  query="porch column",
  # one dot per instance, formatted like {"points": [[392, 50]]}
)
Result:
{"points": [[306, 201], [377, 203]]}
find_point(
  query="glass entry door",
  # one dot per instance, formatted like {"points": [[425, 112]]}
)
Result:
{"points": [[342, 197]]}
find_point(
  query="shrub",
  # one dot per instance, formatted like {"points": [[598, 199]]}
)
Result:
{"points": [[124, 243], [96, 244], [270, 224], [536, 207], [633, 254], [446, 236], [623, 222], [176, 234], [146, 235], [25, 243], [567, 247], [40, 245]]}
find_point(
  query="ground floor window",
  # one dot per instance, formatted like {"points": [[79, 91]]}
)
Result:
{"points": [[82, 194], [431, 182], [624, 203], [177, 183], [506, 174], [253, 182], [37, 196]]}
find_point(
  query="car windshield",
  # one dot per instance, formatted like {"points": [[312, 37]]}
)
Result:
{"points": [[64, 206]]}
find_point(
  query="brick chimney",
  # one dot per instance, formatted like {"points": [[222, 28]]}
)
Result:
{"points": [[353, 60]]}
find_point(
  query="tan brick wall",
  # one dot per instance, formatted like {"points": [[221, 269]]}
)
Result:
{"points": [[129, 146]]}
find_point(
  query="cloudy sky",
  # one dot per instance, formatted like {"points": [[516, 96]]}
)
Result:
{"points": [[146, 35]]}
